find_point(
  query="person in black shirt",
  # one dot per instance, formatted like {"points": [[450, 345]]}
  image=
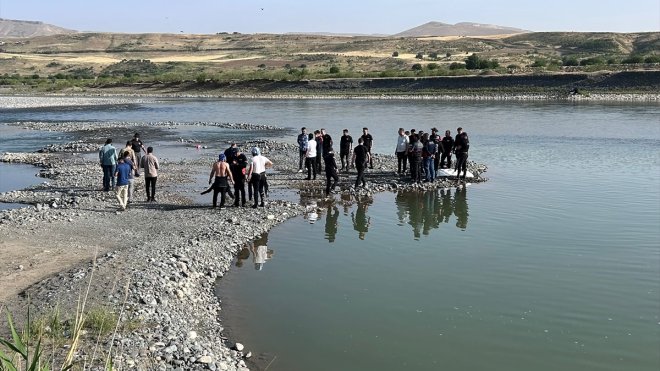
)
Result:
{"points": [[368, 144], [137, 146], [461, 147], [302, 147], [446, 146], [345, 146], [237, 166], [330, 171], [319, 150], [360, 158], [327, 142]]}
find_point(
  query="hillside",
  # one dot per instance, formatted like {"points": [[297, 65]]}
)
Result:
{"points": [[63, 61], [15, 28], [458, 29]]}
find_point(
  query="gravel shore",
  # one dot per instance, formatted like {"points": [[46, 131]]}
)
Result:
{"points": [[156, 264]]}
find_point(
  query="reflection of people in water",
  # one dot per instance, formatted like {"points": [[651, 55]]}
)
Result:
{"points": [[461, 207], [242, 256], [331, 221], [260, 251], [361, 221], [446, 209]]}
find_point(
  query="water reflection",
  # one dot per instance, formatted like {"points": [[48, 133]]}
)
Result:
{"points": [[425, 211], [259, 251], [331, 222], [361, 221]]}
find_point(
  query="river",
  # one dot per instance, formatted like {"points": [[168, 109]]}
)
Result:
{"points": [[554, 263]]}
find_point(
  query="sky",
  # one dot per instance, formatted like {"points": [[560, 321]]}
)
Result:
{"points": [[336, 16]]}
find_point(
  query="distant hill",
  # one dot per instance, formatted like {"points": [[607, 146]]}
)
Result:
{"points": [[15, 28], [458, 29]]}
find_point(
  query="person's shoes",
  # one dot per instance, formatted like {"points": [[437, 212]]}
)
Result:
{"points": [[243, 204], [254, 206], [371, 167], [262, 205], [300, 170], [308, 178]]}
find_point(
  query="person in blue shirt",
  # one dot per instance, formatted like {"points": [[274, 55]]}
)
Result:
{"points": [[108, 161], [123, 174]]}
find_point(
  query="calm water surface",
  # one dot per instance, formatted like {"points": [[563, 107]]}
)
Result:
{"points": [[554, 264]]}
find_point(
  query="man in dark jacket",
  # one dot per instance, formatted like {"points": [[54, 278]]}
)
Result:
{"points": [[446, 146], [461, 148]]}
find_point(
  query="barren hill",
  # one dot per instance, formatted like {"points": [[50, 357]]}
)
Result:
{"points": [[15, 28], [458, 29]]}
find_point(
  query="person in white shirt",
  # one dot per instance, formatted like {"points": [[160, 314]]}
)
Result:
{"points": [[257, 176], [401, 151], [310, 157]]}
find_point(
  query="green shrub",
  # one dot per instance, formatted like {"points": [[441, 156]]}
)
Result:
{"points": [[633, 59], [419, 55], [457, 66], [432, 66], [652, 59], [592, 61], [395, 54], [417, 67], [570, 61], [334, 69]]}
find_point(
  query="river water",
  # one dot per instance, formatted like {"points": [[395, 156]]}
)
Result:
{"points": [[552, 264]]}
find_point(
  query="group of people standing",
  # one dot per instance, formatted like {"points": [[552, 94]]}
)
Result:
{"points": [[120, 168], [317, 146], [425, 153], [232, 168]]}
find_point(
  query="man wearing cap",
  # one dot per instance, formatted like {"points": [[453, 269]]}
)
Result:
{"points": [[222, 175]]}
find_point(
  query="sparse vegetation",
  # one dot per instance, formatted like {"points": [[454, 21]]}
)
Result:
{"points": [[249, 57]]}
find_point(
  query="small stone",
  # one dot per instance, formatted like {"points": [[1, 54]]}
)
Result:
{"points": [[239, 347], [270, 217], [205, 359], [192, 335], [20, 267]]}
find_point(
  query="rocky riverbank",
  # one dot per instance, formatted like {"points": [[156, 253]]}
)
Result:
{"points": [[156, 264]]}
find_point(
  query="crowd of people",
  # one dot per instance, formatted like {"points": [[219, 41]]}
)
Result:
{"points": [[419, 155], [422, 153], [121, 168]]}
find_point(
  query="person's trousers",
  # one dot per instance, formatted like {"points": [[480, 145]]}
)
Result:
{"points": [[310, 165], [239, 192], [401, 159], [257, 182], [108, 176], [360, 175], [223, 193], [430, 168], [122, 195], [461, 163], [447, 156], [345, 160], [301, 158], [328, 176], [131, 189], [150, 185]]}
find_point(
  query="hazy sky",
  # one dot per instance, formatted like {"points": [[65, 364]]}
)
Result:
{"points": [[340, 16]]}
